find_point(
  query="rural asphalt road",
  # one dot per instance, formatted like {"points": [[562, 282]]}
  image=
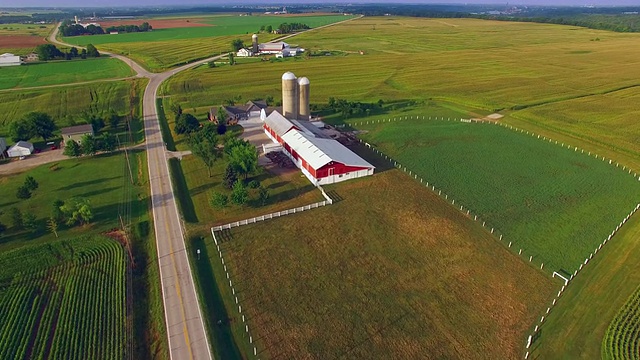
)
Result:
{"points": [[185, 327]]}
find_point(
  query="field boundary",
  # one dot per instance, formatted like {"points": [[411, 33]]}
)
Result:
{"points": [[235, 295], [535, 334], [253, 220]]}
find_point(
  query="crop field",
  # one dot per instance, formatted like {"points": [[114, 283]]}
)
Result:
{"points": [[69, 102], [165, 48], [622, 340], [554, 203], [64, 299], [390, 270], [62, 72], [21, 39]]}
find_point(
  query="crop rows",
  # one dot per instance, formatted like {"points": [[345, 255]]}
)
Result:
{"points": [[72, 310], [622, 340]]}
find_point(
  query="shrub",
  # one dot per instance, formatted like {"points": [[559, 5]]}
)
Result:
{"points": [[253, 184]]}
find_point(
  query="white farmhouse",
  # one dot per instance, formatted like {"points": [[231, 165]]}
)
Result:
{"points": [[21, 148], [8, 59], [244, 53]]}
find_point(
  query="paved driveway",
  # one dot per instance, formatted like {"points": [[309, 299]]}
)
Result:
{"points": [[17, 166], [254, 133]]}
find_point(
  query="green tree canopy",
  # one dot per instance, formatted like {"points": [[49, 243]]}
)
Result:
{"points": [[239, 194], [21, 130], [72, 148], [77, 210], [108, 142], [42, 124], [237, 44], [219, 201], [89, 145], [186, 123], [92, 51], [30, 183], [23, 193], [244, 159], [205, 147]]}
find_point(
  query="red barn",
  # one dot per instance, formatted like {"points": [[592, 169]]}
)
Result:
{"points": [[324, 161], [276, 125]]}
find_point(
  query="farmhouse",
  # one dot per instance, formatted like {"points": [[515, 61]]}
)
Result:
{"points": [[76, 133], [244, 53], [237, 113], [8, 59], [322, 161], [21, 148]]}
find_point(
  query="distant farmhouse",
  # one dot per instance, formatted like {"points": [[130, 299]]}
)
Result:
{"points": [[8, 59], [279, 49], [322, 160], [237, 113], [76, 133]]}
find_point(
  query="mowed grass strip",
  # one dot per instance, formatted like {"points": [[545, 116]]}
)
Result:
{"points": [[72, 307], [62, 72], [555, 203], [390, 271]]}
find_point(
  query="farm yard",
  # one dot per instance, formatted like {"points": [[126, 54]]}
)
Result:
{"points": [[64, 299], [62, 72], [554, 203], [200, 37], [390, 270]]}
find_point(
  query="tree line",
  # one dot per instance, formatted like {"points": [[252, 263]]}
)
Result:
{"points": [[354, 108], [48, 52], [70, 29]]}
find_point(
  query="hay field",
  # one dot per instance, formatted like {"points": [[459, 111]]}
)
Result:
{"points": [[390, 271], [554, 203], [66, 103], [62, 72]]}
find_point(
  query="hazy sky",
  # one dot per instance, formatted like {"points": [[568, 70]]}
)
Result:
{"points": [[115, 3]]}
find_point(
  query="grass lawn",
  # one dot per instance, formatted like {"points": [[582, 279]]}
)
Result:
{"points": [[389, 271], [576, 327], [62, 72], [110, 194], [554, 203]]}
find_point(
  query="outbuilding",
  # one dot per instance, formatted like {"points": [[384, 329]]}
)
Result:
{"points": [[21, 148], [244, 53], [324, 161], [8, 59], [276, 125]]}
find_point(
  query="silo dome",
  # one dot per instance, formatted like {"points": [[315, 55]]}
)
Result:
{"points": [[288, 76], [254, 36], [303, 81]]}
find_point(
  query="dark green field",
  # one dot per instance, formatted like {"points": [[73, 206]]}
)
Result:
{"points": [[64, 299], [554, 203]]}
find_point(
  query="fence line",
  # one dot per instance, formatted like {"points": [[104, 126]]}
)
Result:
{"points": [[253, 220], [234, 293]]}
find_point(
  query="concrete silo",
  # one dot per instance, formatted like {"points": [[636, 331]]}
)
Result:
{"points": [[289, 95], [303, 99], [254, 40]]}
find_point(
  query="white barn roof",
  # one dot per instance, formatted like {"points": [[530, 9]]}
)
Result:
{"points": [[319, 152], [278, 123]]}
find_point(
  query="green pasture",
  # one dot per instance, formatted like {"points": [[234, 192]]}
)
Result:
{"points": [[66, 298], [40, 30], [554, 203], [62, 72], [220, 26], [395, 272]]}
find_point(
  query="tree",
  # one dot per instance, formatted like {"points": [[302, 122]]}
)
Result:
{"points": [[97, 123], [52, 225], [30, 183], [239, 193], [237, 44], [72, 148], [232, 59], [263, 195], [186, 123], [30, 221], [47, 52], [56, 211], [73, 52], [77, 210], [221, 129], [42, 124], [89, 145], [269, 29], [244, 159], [21, 130], [176, 109], [92, 51], [206, 149], [209, 132], [23, 193], [230, 177], [114, 120], [108, 142], [3, 228], [211, 64], [16, 218], [219, 201]]}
